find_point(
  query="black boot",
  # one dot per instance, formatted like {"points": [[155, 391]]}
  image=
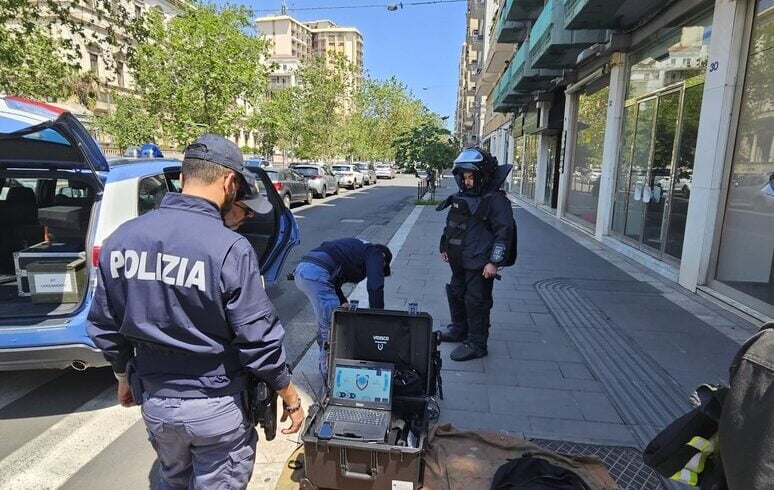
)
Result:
{"points": [[452, 334], [466, 352]]}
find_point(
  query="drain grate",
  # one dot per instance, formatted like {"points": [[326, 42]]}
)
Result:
{"points": [[624, 463]]}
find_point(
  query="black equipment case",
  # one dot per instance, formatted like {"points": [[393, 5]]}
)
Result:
{"points": [[407, 340]]}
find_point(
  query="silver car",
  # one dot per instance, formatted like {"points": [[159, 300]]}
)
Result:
{"points": [[384, 171], [320, 178], [349, 175], [368, 171]]}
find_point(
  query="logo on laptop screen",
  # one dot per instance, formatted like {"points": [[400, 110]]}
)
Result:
{"points": [[381, 341], [361, 381]]}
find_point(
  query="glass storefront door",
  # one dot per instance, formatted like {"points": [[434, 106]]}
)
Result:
{"points": [[654, 175], [518, 164], [530, 165]]}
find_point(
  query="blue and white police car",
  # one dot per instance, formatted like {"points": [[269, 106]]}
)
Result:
{"points": [[59, 199]]}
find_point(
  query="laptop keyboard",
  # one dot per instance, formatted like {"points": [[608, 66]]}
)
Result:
{"points": [[371, 417]]}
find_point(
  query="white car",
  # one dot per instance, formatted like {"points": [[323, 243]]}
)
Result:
{"points": [[349, 175], [384, 171], [59, 199]]}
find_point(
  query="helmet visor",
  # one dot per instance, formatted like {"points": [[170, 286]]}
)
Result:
{"points": [[469, 155]]}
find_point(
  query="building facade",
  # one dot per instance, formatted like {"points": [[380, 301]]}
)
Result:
{"points": [[294, 42], [469, 111], [648, 124]]}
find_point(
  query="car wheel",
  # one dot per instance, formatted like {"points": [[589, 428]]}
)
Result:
{"points": [[309, 197], [336, 190], [286, 200], [324, 192]]}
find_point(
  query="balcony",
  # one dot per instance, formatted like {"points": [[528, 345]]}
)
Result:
{"points": [[510, 31], [496, 62], [521, 9], [475, 40], [520, 81], [608, 14], [476, 8], [553, 46]]}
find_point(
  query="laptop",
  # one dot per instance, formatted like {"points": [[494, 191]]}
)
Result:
{"points": [[360, 401]]}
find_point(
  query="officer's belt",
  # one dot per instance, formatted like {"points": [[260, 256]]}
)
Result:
{"points": [[323, 260], [152, 360]]}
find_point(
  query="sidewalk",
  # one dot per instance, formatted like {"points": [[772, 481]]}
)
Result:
{"points": [[586, 345]]}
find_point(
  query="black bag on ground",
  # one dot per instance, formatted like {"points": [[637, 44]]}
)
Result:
{"points": [[531, 473]]}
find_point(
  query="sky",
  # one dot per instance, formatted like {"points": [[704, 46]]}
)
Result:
{"points": [[419, 44]]}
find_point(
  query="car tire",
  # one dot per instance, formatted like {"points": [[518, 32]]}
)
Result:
{"points": [[286, 200], [309, 197], [336, 191], [324, 192]]}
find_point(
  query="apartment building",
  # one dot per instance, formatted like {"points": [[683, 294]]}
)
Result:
{"points": [[294, 42], [649, 125], [105, 63], [469, 112]]}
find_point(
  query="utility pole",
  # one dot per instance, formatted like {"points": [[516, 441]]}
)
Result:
{"points": [[284, 8]]}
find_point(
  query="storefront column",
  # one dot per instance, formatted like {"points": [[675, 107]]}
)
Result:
{"points": [[714, 144], [541, 168], [610, 152], [568, 143]]}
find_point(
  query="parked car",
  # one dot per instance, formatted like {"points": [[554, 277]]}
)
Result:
{"points": [[67, 204], [349, 175], [320, 178], [291, 186], [368, 171], [384, 171], [257, 162]]}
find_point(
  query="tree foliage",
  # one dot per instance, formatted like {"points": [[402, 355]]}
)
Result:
{"points": [[35, 62], [202, 72], [129, 124], [428, 144]]}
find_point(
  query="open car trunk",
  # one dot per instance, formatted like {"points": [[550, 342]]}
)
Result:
{"points": [[44, 224]]}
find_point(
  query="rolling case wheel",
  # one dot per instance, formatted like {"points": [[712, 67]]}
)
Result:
{"points": [[307, 485]]}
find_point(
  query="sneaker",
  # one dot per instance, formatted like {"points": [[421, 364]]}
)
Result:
{"points": [[466, 352]]}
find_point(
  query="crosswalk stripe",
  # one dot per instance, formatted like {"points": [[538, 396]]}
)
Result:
{"points": [[16, 384], [47, 461]]}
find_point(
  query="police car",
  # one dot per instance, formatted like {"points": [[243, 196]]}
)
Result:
{"points": [[59, 199]]}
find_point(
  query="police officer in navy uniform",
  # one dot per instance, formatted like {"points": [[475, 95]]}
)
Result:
{"points": [[479, 237], [323, 271], [180, 313]]}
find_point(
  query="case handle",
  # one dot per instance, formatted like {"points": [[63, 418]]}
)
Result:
{"points": [[356, 475], [353, 304]]}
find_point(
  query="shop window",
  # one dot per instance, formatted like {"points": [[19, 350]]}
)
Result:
{"points": [[655, 171], [583, 197], [518, 164], [746, 257]]}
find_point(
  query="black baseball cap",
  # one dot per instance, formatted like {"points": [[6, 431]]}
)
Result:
{"points": [[217, 149], [387, 258]]}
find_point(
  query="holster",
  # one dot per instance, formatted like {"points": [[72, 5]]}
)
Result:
{"points": [[135, 383], [261, 406]]}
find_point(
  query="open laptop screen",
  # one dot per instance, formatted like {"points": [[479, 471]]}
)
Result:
{"points": [[361, 383]]}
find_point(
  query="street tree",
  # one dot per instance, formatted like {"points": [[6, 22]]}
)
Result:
{"points": [[428, 144], [202, 71], [37, 61], [129, 124]]}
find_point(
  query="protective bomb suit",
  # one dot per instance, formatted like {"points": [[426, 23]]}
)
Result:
{"points": [[479, 238]]}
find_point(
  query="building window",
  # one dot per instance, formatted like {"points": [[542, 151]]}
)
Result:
{"points": [[583, 197], [120, 73], [745, 267], [94, 63], [138, 11], [661, 117]]}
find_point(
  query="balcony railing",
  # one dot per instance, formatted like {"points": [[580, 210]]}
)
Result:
{"points": [[521, 81], [554, 46], [608, 14]]}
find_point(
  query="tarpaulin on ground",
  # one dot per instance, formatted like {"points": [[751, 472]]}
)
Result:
{"points": [[459, 460]]}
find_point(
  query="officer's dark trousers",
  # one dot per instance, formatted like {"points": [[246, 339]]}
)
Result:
{"points": [[202, 443], [470, 301]]}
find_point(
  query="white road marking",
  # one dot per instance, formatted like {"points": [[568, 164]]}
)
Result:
{"points": [[16, 384], [48, 460]]}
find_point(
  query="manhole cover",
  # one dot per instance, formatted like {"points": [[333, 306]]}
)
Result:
{"points": [[624, 463], [352, 220]]}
